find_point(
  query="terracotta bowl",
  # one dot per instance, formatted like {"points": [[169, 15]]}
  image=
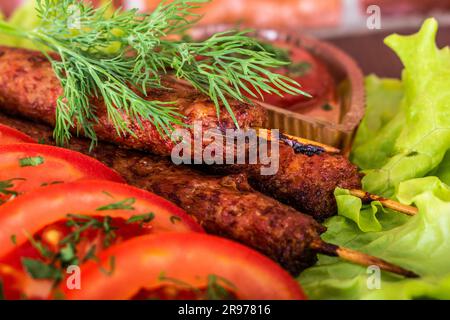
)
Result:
{"points": [[336, 128]]}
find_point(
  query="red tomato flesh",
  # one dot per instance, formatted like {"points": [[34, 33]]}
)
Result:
{"points": [[30, 166], [148, 262], [91, 241], [40, 208], [10, 135], [313, 76], [44, 215]]}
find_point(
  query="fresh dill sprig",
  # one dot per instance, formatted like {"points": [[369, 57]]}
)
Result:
{"points": [[117, 56]]}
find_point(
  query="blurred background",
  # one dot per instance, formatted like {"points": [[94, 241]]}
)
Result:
{"points": [[341, 22]]}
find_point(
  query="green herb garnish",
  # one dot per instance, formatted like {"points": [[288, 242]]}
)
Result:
{"points": [[44, 184], [2, 293], [6, 185], [112, 266], [90, 255], [217, 288], [142, 218], [38, 269], [68, 255], [327, 107], [125, 204], [84, 223], [119, 57], [39, 246], [31, 161]]}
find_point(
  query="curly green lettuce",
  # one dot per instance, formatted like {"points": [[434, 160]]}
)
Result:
{"points": [[403, 147], [381, 125], [420, 243], [351, 207], [419, 134]]}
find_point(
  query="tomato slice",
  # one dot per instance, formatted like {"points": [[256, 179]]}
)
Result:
{"points": [[16, 284], [30, 213], [25, 166], [10, 135], [149, 263], [311, 73]]}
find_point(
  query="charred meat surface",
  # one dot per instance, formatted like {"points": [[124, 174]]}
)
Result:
{"points": [[29, 88], [225, 206]]}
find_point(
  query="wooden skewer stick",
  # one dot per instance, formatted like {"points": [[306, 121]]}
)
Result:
{"points": [[388, 203], [303, 145], [360, 258], [297, 142], [312, 147]]}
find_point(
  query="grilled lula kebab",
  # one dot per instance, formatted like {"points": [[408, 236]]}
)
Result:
{"points": [[225, 206], [306, 179]]}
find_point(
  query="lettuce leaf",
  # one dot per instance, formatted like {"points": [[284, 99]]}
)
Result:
{"points": [[443, 171], [420, 243], [352, 208], [424, 134], [381, 125], [403, 147], [24, 17]]}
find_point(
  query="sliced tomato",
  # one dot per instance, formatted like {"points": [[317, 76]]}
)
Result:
{"points": [[312, 74], [16, 284], [25, 166], [35, 210], [10, 135], [40, 225], [144, 266]]}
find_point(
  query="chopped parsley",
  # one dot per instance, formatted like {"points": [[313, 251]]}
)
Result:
{"points": [[125, 204], [7, 185], [39, 246], [90, 255], [141, 218], [13, 239], [38, 269], [217, 288], [31, 161], [86, 222], [327, 107], [2, 294], [68, 255], [112, 266], [51, 183]]}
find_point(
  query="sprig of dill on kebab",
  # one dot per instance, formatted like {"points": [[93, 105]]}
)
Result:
{"points": [[119, 56]]}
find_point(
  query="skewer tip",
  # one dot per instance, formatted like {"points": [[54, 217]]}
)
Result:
{"points": [[361, 258], [388, 203]]}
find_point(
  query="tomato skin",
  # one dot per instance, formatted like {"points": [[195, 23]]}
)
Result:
{"points": [[188, 257], [10, 135], [35, 210], [316, 80], [59, 165]]}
